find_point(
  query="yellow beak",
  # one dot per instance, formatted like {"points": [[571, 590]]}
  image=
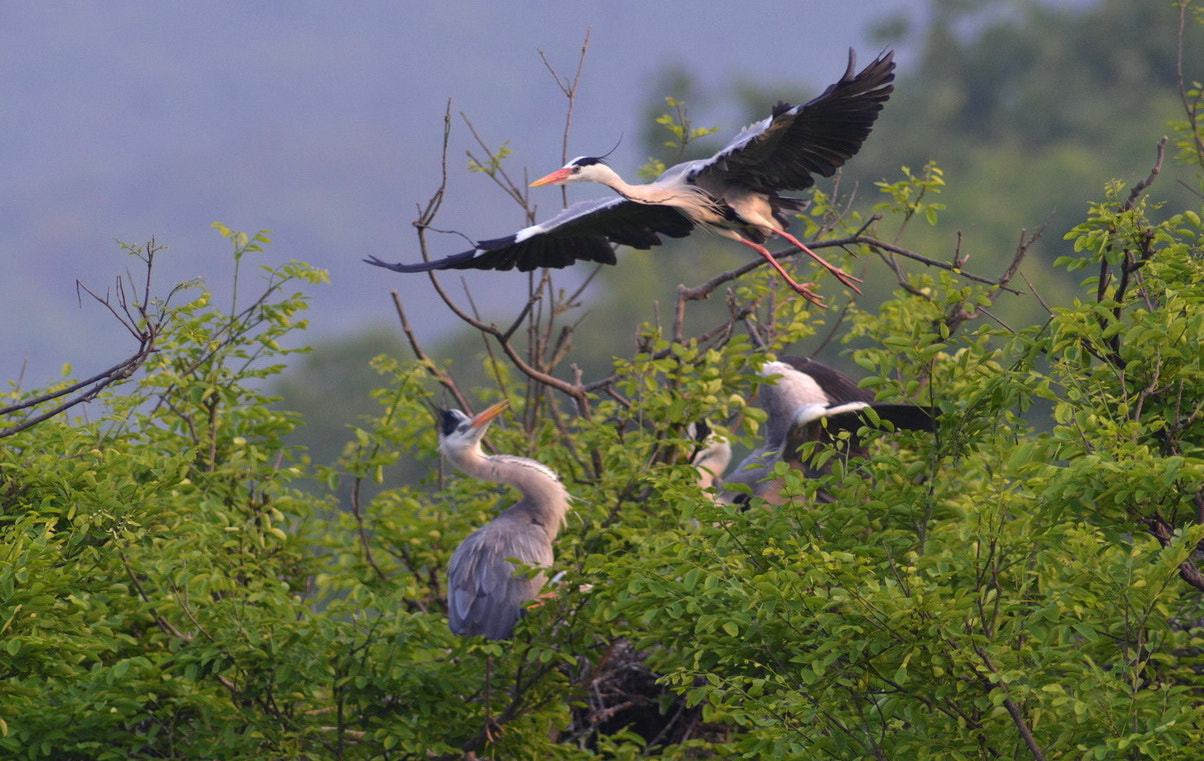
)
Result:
{"points": [[560, 175], [490, 413]]}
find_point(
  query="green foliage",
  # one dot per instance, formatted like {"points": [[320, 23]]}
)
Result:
{"points": [[682, 133], [1023, 583], [151, 555], [492, 163], [908, 195]]}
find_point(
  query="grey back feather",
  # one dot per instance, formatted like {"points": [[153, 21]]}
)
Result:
{"points": [[485, 596]]}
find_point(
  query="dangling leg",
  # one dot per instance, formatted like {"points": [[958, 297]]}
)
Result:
{"points": [[492, 729], [840, 274], [802, 289]]}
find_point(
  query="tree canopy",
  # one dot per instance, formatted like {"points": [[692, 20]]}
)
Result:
{"points": [[1025, 582]]}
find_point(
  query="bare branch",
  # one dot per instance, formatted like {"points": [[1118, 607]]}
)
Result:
{"points": [[427, 214], [570, 93], [129, 316], [1191, 108], [443, 378], [1140, 187]]}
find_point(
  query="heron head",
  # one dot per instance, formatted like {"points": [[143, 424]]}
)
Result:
{"points": [[712, 452], [456, 427], [580, 169]]}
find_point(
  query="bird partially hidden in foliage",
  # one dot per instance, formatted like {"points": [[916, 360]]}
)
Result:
{"points": [[484, 594], [807, 401], [711, 454], [735, 193]]}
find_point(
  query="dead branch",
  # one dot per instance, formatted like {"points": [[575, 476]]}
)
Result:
{"points": [[135, 318], [1141, 186], [569, 89], [443, 378], [1191, 108]]}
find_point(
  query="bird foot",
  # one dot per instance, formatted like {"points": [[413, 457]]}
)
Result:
{"points": [[493, 730], [541, 598], [850, 280], [804, 290]]}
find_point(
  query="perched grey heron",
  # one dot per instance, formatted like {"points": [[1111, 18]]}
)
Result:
{"points": [[734, 193], [484, 595], [804, 401]]}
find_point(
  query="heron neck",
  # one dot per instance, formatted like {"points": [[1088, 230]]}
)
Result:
{"points": [[545, 498], [611, 179]]}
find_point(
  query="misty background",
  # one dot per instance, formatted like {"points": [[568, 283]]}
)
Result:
{"points": [[127, 121]]}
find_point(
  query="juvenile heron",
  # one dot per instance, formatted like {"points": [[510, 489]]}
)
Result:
{"points": [[711, 454], [806, 400], [734, 193], [484, 596]]}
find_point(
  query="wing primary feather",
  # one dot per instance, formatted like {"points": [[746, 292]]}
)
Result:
{"points": [[586, 231], [786, 150]]}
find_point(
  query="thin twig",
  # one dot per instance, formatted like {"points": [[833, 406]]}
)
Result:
{"points": [[1190, 108], [570, 90], [1141, 186], [443, 378], [1013, 710], [87, 390], [495, 170]]}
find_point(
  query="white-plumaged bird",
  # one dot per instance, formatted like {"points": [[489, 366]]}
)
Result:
{"points": [[484, 596], [711, 454], [734, 193], [805, 400]]}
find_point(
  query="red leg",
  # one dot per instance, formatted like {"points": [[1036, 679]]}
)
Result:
{"points": [[802, 289], [840, 274]]}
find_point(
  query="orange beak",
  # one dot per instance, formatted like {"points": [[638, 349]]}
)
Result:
{"points": [[489, 414], [559, 176]]}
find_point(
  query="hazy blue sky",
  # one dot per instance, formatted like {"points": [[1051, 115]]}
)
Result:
{"points": [[322, 122]]}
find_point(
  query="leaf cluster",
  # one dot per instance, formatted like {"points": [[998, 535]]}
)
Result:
{"points": [[1022, 583]]}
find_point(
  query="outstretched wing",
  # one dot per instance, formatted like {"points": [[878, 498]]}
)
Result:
{"points": [[584, 231], [785, 150]]}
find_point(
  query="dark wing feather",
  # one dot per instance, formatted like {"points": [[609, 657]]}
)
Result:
{"points": [[786, 150], [837, 386], [902, 416], [825, 428], [583, 232]]}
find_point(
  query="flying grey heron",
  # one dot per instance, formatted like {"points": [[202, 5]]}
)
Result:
{"points": [[804, 401], [734, 193], [484, 595]]}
